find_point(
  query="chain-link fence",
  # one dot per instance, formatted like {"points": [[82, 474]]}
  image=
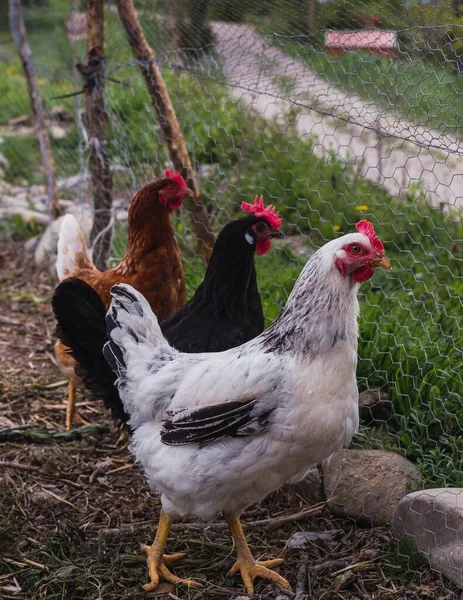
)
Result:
{"points": [[334, 112]]}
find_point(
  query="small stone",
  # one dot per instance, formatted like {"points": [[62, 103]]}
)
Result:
{"points": [[13, 202], [367, 485], [433, 521], [42, 498], [73, 181], [60, 113], [57, 132], [31, 244], [22, 120]]}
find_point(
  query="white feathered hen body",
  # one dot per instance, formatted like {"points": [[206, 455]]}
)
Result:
{"points": [[296, 382]]}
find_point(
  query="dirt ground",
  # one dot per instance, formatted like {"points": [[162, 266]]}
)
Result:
{"points": [[74, 509]]}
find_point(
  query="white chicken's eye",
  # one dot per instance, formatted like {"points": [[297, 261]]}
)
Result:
{"points": [[355, 249]]}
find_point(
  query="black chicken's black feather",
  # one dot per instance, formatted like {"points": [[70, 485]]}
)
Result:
{"points": [[80, 315]]}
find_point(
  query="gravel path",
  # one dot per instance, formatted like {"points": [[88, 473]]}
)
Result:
{"points": [[386, 148]]}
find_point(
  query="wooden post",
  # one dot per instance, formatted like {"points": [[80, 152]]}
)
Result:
{"points": [[168, 122], [96, 119], [311, 15], [18, 31]]}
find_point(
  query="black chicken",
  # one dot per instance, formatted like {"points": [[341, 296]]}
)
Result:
{"points": [[225, 311]]}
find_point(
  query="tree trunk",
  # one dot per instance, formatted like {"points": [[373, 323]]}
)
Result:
{"points": [[18, 31], [96, 119], [168, 122]]}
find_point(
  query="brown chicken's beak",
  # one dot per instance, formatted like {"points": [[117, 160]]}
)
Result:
{"points": [[381, 261], [276, 233], [187, 193]]}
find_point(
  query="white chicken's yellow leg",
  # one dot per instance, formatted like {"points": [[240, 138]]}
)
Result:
{"points": [[246, 564], [157, 560]]}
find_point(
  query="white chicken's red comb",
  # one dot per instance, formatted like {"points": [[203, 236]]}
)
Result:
{"points": [[175, 176], [260, 210], [367, 229]]}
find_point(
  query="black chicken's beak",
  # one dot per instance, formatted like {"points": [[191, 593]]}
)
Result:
{"points": [[276, 233]]}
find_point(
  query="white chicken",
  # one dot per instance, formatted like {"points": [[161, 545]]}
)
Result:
{"points": [[218, 432]]}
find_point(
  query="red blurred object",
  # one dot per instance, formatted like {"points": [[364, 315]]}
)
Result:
{"points": [[375, 41]]}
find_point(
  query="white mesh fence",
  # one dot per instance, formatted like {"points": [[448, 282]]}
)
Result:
{"points": [[332, 121]]}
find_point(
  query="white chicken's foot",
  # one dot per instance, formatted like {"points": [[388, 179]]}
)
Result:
{"points": [[246, 564], [157, 560]]}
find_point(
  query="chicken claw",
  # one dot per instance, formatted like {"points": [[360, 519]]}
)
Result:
{"points": [[157, 561], [247, 565], [250, 569], [158, 570]]}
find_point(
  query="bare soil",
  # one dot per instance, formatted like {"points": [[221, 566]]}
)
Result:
{"points": [[74, 510]]}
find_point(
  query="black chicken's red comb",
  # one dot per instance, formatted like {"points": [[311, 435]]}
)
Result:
{"points": [[260, 210]]}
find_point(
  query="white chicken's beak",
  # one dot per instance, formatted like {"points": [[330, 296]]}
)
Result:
{"points": [[380, 261]]}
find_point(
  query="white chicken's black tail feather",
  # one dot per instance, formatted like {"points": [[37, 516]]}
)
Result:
{"points": [[131, 326]]}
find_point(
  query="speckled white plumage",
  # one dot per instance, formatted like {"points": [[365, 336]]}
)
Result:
{"points": [[302, 369]]}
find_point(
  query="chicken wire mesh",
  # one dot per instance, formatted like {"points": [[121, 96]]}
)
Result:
{"points": [[333, 112]]}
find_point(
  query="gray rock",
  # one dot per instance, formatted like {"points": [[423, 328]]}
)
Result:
{"points": [[12, 202], [367, 485], [31, 244], [73, 181], [26, 214], [433, 521]]}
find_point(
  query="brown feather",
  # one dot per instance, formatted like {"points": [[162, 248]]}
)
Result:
{"points": [[151, 263]]}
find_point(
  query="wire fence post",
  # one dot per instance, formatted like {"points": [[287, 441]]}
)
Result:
{"points": [[18, 32], [96, 119], [169, 124]]}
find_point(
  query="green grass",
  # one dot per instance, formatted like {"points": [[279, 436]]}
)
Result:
{"points": [[417, 89], [411, 318]]}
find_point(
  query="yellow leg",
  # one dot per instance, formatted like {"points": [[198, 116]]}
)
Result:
{"points": [[123, 434], [246, 564], [72, 416], [71, 405], [157, 560]]}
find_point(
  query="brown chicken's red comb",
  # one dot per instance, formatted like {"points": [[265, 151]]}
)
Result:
{"points": [[260, 210], [175, 176], [367, 229]]}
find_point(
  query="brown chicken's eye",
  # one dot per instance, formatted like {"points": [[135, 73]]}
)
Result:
{"points": [[355, 249], [260, 227]]}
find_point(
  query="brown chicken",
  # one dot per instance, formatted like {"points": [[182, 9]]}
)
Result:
{"points": [[151, 263]]}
